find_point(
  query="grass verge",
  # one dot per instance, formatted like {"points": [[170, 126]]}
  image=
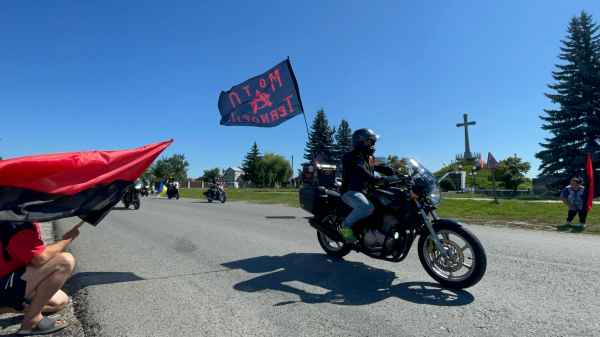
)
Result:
{"points": [[508, 213]]}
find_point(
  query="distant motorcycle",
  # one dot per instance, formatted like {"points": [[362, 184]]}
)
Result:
{"points": [[132, 195], [173, 189], [216, 192], [144, 191]]}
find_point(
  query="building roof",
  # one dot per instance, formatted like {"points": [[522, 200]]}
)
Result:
{"points": [[236, 169]]}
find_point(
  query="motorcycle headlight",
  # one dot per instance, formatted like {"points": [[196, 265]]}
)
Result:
{"points": [[138, 187], [435, 196]]}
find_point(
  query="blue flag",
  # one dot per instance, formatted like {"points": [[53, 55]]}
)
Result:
{"points": [[266, 100]]}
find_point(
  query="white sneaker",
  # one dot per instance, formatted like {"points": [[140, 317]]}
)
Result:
{"points": [[582, 224]]}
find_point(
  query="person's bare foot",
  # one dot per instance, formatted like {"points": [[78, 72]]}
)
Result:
{"points": [[31, 324]]}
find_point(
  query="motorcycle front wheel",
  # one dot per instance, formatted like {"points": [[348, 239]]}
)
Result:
{"points": [[177, 196], [467, 263], [223, 197], [136, 203]]}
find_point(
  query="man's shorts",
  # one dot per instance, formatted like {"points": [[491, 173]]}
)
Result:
{"points": [[12, 290]]}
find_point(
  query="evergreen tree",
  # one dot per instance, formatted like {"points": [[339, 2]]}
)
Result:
{"points": [[575, 125], [251, 164], [343, 142], [320, 138]]}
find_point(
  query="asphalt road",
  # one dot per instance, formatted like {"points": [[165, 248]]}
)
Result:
{"points": [[191, 268]]}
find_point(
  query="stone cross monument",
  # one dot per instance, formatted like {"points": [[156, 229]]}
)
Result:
{"points": [[468, 155]]}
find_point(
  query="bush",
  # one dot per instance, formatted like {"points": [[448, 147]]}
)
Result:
{"points": [[447, 185]]}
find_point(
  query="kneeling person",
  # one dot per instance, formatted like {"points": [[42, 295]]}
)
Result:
{"points": [[27, 266]]}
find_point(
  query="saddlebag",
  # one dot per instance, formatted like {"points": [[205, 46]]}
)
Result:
{"points": [[313, 199]]}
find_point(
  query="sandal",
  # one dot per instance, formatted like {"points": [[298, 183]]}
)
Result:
{"points": [[45, 326]]}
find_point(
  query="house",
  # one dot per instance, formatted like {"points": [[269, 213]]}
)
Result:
{"points": [[232, 178]]}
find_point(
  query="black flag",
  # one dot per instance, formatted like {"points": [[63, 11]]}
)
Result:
{"points": [[266, 100]]}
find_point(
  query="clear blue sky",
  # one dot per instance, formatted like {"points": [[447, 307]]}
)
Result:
{"points": [[109, 75]]}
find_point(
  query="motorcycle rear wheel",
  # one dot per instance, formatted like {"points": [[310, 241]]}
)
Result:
{"points": [[332, 248], [466, 248]]}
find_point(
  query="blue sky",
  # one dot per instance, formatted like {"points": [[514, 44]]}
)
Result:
{"points": [[109, 75]]}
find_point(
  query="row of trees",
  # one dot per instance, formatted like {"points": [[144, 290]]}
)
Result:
{"points": [[575, 123], [175, 166], [330, 143], [265, 169]]}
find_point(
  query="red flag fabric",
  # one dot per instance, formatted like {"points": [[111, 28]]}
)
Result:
{"points": [[589, 171], [480, 162], [84, 184]]}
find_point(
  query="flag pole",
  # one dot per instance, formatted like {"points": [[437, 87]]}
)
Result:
{"points": [[80, 224], [311, 147]]}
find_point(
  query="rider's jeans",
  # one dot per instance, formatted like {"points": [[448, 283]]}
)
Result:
{"points": [[362, 207]]}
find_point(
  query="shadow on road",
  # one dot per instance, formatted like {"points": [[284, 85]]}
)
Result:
{"points": [[341, 282], [288, 217], [87, 279], [120, 208], [573, 229]]}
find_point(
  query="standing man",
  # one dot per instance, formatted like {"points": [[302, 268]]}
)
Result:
{"points": [[572, 196]]}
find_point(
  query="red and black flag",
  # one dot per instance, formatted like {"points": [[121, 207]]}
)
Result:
{"points": [[589, 172], [266, 100], [84, 184]]}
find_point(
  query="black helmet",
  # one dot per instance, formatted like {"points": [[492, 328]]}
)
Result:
{"points": [[361, 135]]}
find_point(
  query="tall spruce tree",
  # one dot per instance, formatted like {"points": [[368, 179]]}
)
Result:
{"points": [[343, 142], [575, 125], [251, 165], [320, 138]]}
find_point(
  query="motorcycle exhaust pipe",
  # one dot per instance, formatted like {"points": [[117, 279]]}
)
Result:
{"points": [[332, 235]]}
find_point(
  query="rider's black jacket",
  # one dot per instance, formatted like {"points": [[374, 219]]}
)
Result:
{"points": [[358, 172]]}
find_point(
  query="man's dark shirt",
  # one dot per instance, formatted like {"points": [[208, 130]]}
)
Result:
{"points": [[358, 172]]}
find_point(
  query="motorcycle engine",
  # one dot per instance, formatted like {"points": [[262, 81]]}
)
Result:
{"points": [[373, 239], [389, 223]]}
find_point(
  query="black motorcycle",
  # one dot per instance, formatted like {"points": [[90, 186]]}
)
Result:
{"points": [[132, 195], [173, 189], [216, 192], [450, 254], [144, 191]]}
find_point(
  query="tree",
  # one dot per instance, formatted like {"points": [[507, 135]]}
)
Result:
{"points": [[209, 175], [575, 125], [274, 168], [343, 142], [512, 172], [398, 163], [320, 139], [149, 173], [251, 164], [447, 184], [174, 166]]}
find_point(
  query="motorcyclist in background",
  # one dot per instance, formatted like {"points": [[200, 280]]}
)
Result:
{"points": [[358, 178]]}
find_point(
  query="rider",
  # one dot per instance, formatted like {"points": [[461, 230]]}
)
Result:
{"points": [[358, 178], [216, 183]]}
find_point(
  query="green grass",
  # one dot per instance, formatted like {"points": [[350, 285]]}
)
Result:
{"points": [[503, 197], [512, 213], [508, 213]]}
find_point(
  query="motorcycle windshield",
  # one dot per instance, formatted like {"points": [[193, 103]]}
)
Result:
{"points": [[427, 176]]}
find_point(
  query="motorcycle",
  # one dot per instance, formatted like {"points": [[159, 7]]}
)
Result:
{"points": [[173, 189], [132, 195], [216, 192], [144, 191], [451, 254]]}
